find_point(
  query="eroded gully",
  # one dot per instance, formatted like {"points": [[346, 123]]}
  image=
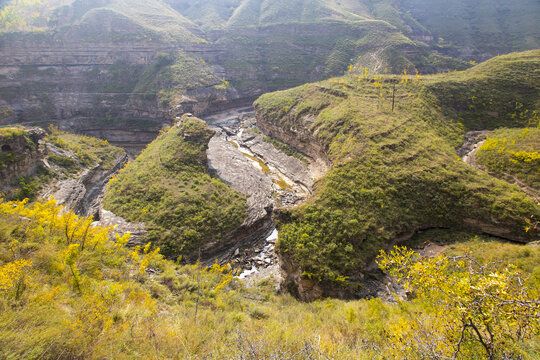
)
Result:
{"points": [[239, 155]]}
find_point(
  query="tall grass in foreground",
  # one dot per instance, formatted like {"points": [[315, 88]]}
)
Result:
{"points": [[69, 290]]}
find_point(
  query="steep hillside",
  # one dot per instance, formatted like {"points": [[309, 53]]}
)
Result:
{"points": [[120, 20], [103, 67], [291, 41], [169, 188], [20, 157], [108, 85], [512, 154], [259, 12], [209, 14], [71, 290], [466, 28], [77, 64], [478, 29], [73, 169], [395, 169]]}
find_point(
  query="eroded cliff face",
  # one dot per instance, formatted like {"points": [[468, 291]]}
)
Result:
{"points": [[105, 85], [27, 153], [82, 192], [91, 87], [239, 155], [20, 153]]}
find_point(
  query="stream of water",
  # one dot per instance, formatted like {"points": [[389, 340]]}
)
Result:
{"points": [[263, 265]]}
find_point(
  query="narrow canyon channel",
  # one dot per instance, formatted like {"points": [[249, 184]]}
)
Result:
{"points": [[247, 161]]}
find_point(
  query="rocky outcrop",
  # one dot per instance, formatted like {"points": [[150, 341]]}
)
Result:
{"points": [[301, 139], [20, 153], [91, 85], [239, 155], [473, 141], [305, 288], [84, 192], [121, 226], [231, 166]]}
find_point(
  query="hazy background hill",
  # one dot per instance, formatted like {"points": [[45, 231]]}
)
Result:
{"points": [[92, 66], [133, 19], [480, 28]]}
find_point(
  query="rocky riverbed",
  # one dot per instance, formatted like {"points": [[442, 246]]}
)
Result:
{"points": [[473, 141], [242, 157]]}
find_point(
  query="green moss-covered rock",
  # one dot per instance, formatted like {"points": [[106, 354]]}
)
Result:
{"points": [[168, 188]]}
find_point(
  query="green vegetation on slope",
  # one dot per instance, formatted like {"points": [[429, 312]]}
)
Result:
{"points": [[261, 12], [513, 152], [87, 151], [168, 187], [484, 27], [330, 47], [133, 20], [397, 172], [73, 154], [502, 91], [8, 135], [172, 75], [480, 309], [208, 13], [70, 290], [16, 146]]}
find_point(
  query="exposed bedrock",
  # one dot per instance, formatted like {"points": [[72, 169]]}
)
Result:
{"points": [[301, 139], [21, 155], [64, 79], [91, 88], [298, 131], [239, 155], [84, 192]]}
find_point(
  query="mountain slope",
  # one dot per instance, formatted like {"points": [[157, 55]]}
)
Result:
{"points": [[104, 66], [168, 187], [84, 294], [94, 19], [479, 29], [396, 172], [209, 14]]}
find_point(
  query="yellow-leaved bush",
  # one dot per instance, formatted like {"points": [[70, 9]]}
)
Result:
{"points": [[75, 287], [474, 309]]}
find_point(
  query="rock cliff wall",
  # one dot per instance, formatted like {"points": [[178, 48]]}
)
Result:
{"points": [[104, 86], [20, 154]]}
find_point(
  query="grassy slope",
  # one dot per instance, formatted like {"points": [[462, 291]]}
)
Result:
{"points": [[172, 74], [9, 135], [130, 303], [207, 13], [396, 172], [154, 17], [509, 153], [168, 187], [86, 151], [258, 12], [280, 56], [142, 20], [79, 153], [480, 98], [285, 43]]}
